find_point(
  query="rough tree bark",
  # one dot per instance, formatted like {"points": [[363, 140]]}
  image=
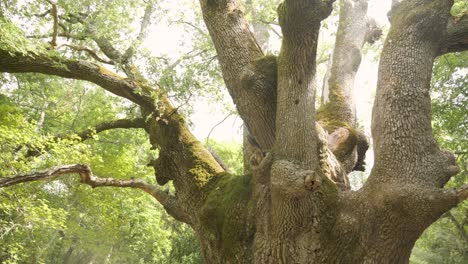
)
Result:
{"points": [[291, 208]]}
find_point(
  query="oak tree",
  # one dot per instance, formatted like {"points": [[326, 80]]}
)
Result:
{"points": [[295, 205]]}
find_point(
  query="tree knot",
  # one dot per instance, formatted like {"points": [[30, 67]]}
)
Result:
{"points": [[312, 180]]}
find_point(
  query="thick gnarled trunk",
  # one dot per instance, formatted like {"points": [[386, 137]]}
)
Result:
{"points": [[298, 215]]}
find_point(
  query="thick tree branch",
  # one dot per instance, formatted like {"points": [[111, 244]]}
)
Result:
{"points": [[295, 116], [75, 69], [182, 159], [87, 177], [338, 110], [456, 36], [338, 92], [106, 46], [405, 148], [250, 80]]}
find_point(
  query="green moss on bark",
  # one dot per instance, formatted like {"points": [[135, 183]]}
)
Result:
{"points": [[169, 131], [225, 210]]}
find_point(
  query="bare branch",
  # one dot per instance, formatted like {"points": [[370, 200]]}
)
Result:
{"points": [[88, 50], [87, 177], [188, 55], [456, 38], [145, 24], [200, 31], [43, 14], [121, 123], [54, 13], [460, 227], [63, 35], [213, 128]]}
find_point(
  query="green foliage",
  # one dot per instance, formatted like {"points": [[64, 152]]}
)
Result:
{"points": [[230, 153], [262, 11], [444, 242], [13, 39], [459, 8], [62, 221]]}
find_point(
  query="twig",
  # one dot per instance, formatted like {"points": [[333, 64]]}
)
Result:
{"points": [[209, 134]]}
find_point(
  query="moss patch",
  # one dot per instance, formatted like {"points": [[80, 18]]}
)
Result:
{"points": [[225, 209]]}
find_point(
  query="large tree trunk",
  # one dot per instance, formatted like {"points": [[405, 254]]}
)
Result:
{"points": [[289, 211]]}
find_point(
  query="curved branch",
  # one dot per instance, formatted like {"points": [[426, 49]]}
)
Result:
{"points": [[456, 36], [87, 177], [88, 133], [405, 148], [74, 69], [120, 123], [88, 50]]}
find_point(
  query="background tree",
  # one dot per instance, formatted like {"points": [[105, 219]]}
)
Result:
{"points": [[296, 206]]}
